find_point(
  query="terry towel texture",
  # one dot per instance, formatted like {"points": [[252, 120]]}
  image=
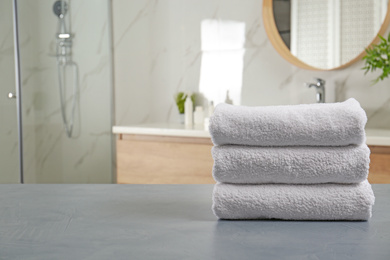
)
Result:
{"points": [[328, 124], [302, 162], [299, 202], [298, 164]]}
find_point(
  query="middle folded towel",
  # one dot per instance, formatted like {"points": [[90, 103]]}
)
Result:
{"points": [[297, 165]]}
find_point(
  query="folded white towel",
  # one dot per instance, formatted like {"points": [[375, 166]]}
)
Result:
{"points": [[329, 124], [293, 164], [299, 202]]}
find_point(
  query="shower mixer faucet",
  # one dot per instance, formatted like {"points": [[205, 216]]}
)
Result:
{"points": [[320, 89], [64, 37]]}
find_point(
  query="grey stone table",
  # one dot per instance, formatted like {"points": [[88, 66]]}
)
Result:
{"points": [[169, 222]]}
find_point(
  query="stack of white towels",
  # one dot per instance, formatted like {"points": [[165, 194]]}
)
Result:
{"points": [[298, 162]]}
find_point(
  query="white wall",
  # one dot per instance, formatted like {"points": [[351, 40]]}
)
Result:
{"points": [[157, 53]]}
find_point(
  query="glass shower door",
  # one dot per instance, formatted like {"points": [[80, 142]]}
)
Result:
{"points": [[65, 63], [9, 151]]}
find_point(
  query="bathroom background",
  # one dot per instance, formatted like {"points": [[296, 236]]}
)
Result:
{"points": [[158, 51], [159, 47]]}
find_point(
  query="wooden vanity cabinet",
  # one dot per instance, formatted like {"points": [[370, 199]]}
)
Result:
{"points": [[380, 164], [156, 159], [152, 159]]}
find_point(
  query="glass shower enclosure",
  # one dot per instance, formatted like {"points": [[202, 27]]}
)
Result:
{"points": [[56, 99]]}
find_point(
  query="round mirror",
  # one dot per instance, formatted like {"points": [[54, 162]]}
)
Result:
{"points": [[324, 35]]}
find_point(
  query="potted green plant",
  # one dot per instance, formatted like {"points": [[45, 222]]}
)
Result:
{"points": [[180, 99], [378, 57]]}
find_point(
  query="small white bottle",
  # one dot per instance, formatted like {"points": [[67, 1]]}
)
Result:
{"points": [[188, 107], [198, 115], [228, 100]]}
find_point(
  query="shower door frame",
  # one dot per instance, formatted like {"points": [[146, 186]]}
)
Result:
{"points": [[18, 88]]}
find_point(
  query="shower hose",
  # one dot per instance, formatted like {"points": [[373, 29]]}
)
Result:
{"points": [[61, 67], [63, 55]]}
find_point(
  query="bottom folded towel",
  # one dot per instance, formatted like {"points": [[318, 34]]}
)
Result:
{"points": [[294, 202]]}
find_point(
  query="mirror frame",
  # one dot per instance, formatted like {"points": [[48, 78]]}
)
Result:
{"points": [[284, 51]]}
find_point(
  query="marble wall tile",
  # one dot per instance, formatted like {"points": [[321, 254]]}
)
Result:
{"points": [[132, 23], [157, 53]]}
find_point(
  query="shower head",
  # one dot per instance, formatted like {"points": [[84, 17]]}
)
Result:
{"points": [[60, 8]]}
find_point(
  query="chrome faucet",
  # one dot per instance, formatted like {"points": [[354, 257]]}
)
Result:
{"points": [[320, 88]]}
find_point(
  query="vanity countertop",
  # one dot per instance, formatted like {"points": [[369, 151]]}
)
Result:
{"points": [[379, 137], [107, 221], [163, 129]]}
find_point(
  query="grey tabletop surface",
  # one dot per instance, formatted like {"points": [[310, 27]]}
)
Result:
{"points": [[53, 221]]}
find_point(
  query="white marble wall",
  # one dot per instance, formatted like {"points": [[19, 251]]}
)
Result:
{"points": [[157, 53], [9, 161], [49, 155]]}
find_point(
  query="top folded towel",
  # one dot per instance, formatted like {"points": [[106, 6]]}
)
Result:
{"points": [[328, 124]]}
